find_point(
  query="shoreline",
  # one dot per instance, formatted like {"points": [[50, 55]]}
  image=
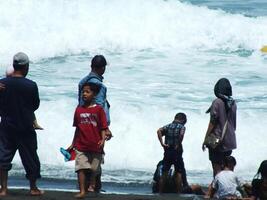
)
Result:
{"points": [[23, 194], [18, 185]]}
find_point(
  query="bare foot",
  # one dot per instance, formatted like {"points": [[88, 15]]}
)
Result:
{"points": [[80, 195], [3, 192], [36, 192], [91, 189]]}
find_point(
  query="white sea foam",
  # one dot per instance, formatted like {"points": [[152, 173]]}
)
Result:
{"points": [[48, 28]]}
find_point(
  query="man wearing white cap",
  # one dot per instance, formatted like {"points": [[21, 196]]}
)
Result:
{"points": [[18, 101]]}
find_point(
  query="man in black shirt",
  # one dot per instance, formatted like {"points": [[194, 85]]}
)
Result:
{"points": [[19, 99]]}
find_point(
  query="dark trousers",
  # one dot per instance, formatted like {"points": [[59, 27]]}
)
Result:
{"points": [[174, 157], [217, 157], [26, 143]]}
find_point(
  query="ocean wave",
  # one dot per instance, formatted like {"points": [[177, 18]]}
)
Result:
{"points": [[53, 29]]}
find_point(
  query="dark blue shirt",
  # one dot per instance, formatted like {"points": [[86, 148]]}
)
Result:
{"points": [[18, 102]]}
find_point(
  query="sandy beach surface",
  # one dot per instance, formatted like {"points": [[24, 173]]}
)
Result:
{"points": [[23, 194]]}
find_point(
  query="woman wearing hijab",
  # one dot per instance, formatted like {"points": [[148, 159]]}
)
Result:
{"points": [[222, 110]]}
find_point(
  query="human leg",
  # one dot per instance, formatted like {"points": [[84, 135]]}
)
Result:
{"points": [[217, 158], [162, 181], [98, 183], [167, 162], [3, 179], [81, 181], [216, 167], [95, 160], [82, 167], [209, 192], [196, 189], [34, 190], [8, 149], [179, 167], [30, 160], [178, 182], [86, 165]]}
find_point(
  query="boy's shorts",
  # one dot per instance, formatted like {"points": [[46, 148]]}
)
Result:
{"points": [[87, 160], [172, 157]]}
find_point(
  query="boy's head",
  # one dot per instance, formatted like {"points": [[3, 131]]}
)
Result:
{"points": [[98, 64], [229, 162], [181, 117], [89, 91]]}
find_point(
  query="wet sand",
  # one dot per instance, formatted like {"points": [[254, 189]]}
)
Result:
{"points": [[23, 194]]}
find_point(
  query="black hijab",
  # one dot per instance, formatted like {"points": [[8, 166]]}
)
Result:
{"points": [[223, 90], [223, 87]]}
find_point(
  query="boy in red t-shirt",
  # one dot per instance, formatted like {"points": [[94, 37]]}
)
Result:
{"points": [[89, 138]]}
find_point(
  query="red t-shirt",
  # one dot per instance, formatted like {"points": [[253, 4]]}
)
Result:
{"points": [[89, 122]]}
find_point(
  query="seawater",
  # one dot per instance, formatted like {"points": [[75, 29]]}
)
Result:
{"points": [[164, 57]]}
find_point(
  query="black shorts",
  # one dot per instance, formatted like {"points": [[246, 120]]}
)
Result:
{"points": [[172, 157], [217, 157]]}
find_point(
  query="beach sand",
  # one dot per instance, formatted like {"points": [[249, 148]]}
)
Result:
{"points": [[23, 194]]}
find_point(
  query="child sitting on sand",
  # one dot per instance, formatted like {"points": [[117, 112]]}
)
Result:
{"points": [[89, 138], [173, 149], [225, 184], [9, 73]]}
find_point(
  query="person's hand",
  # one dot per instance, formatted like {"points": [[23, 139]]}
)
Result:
{"points": [[164, 145], [108, 135], [101, 143], [203, 147], [2, 87], [70, 147]]}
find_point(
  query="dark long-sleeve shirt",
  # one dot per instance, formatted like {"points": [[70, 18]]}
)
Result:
{"points": [[18, 102]]}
